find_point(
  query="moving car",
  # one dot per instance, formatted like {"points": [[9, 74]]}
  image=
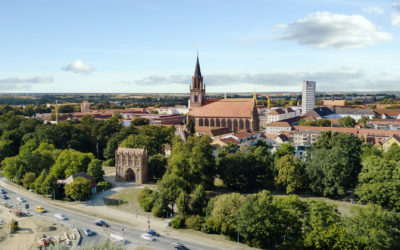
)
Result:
{"points": [[147, 236], [5, 197], [88, 232], [60, 216], [152, 233], [179, 246], [2, 191], [20, 199], [101, 223], [40, 209]]}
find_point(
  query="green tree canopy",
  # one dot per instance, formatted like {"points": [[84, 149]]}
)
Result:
{"points": [[80, 188], [347, 122], [290, 174]]}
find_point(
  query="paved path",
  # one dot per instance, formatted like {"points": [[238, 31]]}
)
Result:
{"points": [[83, 215]]}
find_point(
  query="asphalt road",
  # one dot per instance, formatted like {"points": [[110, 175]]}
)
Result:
{"points": [[82, 221]]}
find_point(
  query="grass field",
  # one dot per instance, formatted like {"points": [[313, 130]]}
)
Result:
{"points": [[126, 200]]}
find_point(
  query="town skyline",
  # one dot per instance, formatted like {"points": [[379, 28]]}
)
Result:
{"points": [[136, 47]]}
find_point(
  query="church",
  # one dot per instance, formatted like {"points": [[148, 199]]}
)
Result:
{"points": [[236, 114]]}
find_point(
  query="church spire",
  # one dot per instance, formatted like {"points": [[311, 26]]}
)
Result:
{"points": [[197, 69]]}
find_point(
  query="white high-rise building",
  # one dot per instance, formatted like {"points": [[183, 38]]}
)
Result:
{"points": [[308, 96]]}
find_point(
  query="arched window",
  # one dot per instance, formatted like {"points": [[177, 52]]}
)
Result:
{"points": [[212, 123], [235, 125], [230, 124], [201, 122], [224, 123], [218, 123], [247, 124], [241, 124], [196, 98], [206, 122]]}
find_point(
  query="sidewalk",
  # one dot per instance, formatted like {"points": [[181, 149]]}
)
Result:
{"points": [[137, 221]]}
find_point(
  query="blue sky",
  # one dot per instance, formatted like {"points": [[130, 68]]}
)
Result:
{"points": [[244, 46]]}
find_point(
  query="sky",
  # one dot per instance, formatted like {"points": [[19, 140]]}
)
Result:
{"points": [[149, 46]]}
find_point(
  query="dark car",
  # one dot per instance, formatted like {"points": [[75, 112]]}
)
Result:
{"points": [[2, 191], [88, 232], [152, 232], [101, 223], [179, 246], [5, 197]]}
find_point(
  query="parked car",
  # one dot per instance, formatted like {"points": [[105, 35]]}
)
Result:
{"points": [[101, 223], [20, 199], [152, 233], [147, 236], [60, 217], [88, 232], [40, 209], [179, 246], [2, 191]]}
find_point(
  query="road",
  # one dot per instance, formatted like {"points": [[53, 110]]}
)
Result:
{"points": [[82, 221]]}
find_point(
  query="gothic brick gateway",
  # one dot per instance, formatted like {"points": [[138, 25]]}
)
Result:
{"points": [[131, 165]]}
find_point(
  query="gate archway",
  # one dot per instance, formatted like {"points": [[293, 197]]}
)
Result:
{"points": [[129, 175]]}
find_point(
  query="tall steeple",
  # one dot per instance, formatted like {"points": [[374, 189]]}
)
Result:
{"points": [[197, 88]]}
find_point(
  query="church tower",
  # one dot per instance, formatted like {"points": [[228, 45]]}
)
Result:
{"points": [[197, 88]]}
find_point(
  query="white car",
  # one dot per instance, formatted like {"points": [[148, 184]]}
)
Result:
{"points": [[147, 236], [20, 199], [60, 216]]}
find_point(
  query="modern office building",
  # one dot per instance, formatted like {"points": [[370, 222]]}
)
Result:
{"points": [[308, 96]]}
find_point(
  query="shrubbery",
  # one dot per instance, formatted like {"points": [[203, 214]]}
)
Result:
{"points": [[177, 222], [103, 185]]}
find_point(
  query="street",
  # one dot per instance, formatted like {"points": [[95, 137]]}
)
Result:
{"points": [[82, 221]]}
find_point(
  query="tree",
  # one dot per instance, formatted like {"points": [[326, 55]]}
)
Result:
{"points": [[157, 166], [368, 150], [190, 126], [379, 182], [290, 173], [182, 203], [393, 153], [374, 228], [333, 163], [199, 200], [225, 211], [324, 229], [71, 162], [347, 122], [78, 189], [194, 161], [140, 121], [28, 179], [284, 149], [95, 170], [364, 120], [170, 187]]}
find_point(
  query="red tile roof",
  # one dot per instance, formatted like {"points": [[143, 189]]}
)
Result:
{"points": [[390, 112], [278, 124], [231, 140], [242, 135], [235, 107]]}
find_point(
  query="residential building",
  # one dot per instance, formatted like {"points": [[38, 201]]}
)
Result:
{"points": [[395, 139], [278, 127], [308, 96]]}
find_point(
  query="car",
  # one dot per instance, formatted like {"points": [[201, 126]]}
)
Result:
{"points": [[152, 233], [60, 217], [20, 199], [2, 191], [88, 232], [179, 246], [40, 209], [147, 236], [5, 197], [101, 223]]}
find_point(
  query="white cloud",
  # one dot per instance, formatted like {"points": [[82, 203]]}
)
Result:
{"points": [[345, 78], [396, 15], [373, 10], [79, 67], [324, 29], [23, 83]]}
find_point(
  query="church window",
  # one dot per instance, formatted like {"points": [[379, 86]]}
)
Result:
{"points": [[224, 123], [241, 125], [195, 98], [218, 124], [206, 122], [200, 122], [230, 124], [247, 124], [212, 122]]}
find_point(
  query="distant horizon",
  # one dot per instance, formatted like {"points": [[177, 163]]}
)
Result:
{"points": [[151, 47]]}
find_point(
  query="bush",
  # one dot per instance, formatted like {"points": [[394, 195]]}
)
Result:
{"points": [[177, 222], [144, 193], [103, 185], [194, 222], [209, 226], [110, 162]]}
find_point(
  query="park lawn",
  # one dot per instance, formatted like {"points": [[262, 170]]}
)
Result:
{"points": [[125, 200]]}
